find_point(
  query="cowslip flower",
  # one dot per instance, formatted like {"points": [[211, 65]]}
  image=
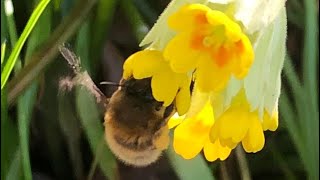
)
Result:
{"points": [[248, 107], [244, 96], [210, 43], [200, 124], [239, 124], [166, 85]]}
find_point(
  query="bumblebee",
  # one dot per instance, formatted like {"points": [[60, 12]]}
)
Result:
{"points": [[135, 123]]}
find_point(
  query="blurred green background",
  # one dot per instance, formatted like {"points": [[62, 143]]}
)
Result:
{"points": [[46, 134]]}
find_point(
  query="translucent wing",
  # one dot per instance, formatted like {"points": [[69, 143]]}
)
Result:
{"points": [[80, 78]]}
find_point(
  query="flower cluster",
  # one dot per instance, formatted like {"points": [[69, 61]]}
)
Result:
{"points": [[235, 62]]}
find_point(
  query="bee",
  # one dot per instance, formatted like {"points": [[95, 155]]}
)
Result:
{"points": [[135, 123]]}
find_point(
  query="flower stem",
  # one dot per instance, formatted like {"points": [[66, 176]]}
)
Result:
{"points": [[243, 164]]}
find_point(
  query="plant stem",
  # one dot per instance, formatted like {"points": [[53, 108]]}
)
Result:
{"points": [[242, 161]]}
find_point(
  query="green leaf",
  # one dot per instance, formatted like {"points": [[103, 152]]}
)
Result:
{"points": [[11, 24], [17, 48], [82, 47], [45, 55], [3, 51], [103, 18], [25, 108], [71, 129], [145, 9], [4, 29], [9, 136], [288, 116], [27, 100], [14, 171], [90, 115], [41, 32], [311, 85], [195, 168], [139, 27], [91, 122]]}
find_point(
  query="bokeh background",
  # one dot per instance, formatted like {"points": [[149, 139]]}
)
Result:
{"points": [[48, 134]]}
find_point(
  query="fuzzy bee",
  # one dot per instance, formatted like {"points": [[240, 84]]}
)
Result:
{"points": [[135, 123]]}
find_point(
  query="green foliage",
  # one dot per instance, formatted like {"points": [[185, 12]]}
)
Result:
{"points": [[302, 118], [18, 46], [187, 170]]}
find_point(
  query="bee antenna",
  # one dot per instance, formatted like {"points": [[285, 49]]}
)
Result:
{"points": [[111, 83]]}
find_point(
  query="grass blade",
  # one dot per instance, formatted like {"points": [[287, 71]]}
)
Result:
{"points": [[17, 48], [12, 30], [90, 115], [91, 122], [310, 52], [14, 171], [149, 14], [3, 51], [82, 47], [195, 168], [4, 30], [9, 136], [288, 116], [102, 19], [71, 130], [45, 55], [25, 109], [139, 27], [310, 65], [27, 100], [40, 33]]}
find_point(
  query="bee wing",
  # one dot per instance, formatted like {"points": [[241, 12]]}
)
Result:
{"points": [[81, 78], [71, 58]]}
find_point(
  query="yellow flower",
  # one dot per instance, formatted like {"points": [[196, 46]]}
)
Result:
{"points": [[241, 81], [209, 42], [217, 136], [246, 108], [240, 124], [192, 135], [166, 85]]}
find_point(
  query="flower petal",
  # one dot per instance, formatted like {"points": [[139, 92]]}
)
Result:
{"points": [[254, 139], [164, 87], [188, 17], [189, 138], [198, 101], [209, 76], [232, 125], [183, 100], [175, 120], [270, 123], [144, 64], [256, 15], [243, 58], [191, 135], [214, 151], [219, 18], [182, 58]]}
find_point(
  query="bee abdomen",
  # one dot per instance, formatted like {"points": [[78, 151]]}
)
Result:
{"points": [[134, 143], [132, 152]]}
